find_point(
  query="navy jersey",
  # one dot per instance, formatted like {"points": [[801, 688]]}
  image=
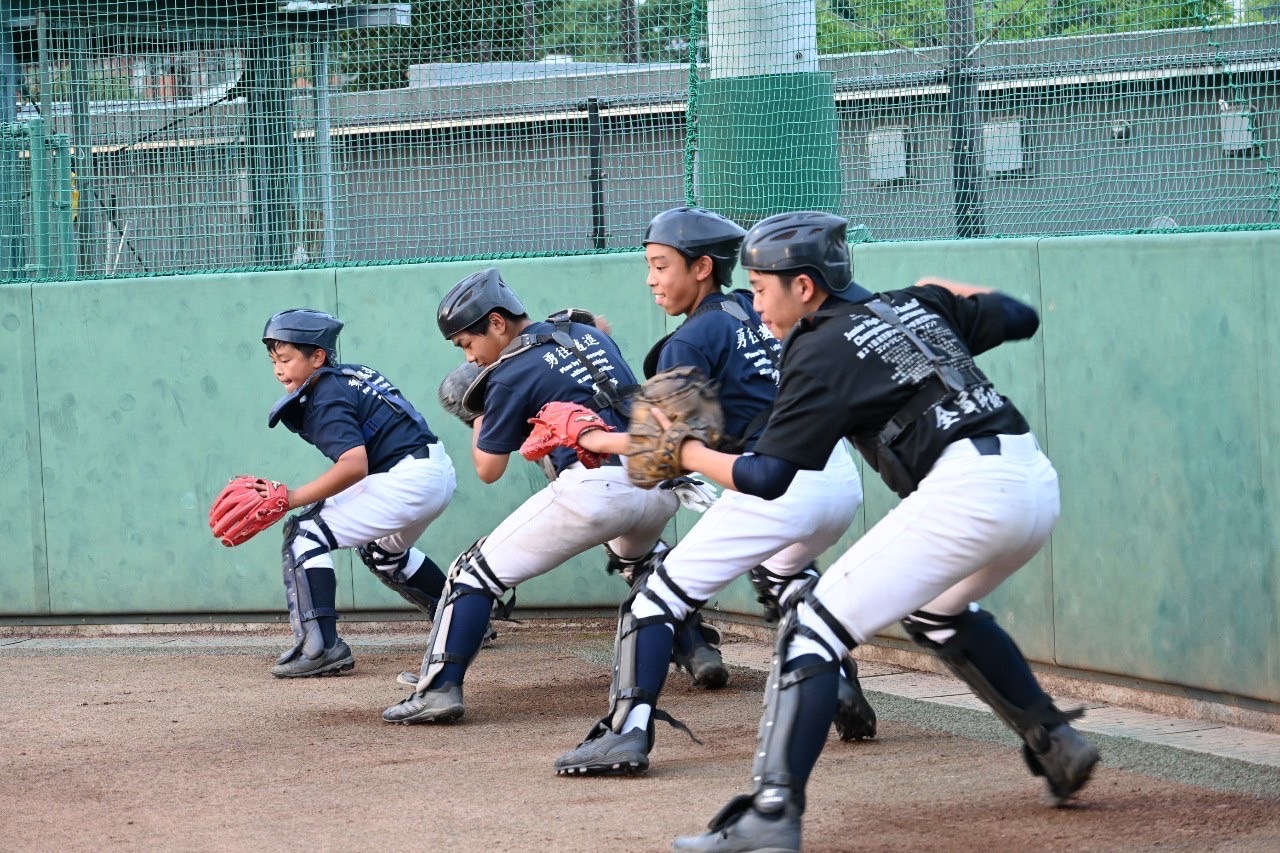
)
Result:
{"points": [[741, 357], [336, 412], [519, 385], [846, 373]]}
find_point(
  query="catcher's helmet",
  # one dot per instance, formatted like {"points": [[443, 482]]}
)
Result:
{"points": [[695, 232], [806, 241], [473, 298], [305, 326]]}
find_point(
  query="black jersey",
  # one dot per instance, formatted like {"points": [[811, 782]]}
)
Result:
{"points": [[343, 407], [846, 373]]}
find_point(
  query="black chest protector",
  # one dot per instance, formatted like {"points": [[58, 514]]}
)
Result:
{"points": [[901, 467]]}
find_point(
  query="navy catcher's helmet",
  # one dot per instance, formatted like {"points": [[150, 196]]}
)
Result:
{"points": [[305, 326], [807, 241], [695, 232], [473, 298]]}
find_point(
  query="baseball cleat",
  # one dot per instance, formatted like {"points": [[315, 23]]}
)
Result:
{"points": [[705, 665], [441, 705], [334, 661], [855, 718], [1066, 766], [739, 828], [610, 754]]}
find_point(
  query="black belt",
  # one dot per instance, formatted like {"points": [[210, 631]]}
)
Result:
{"points": [[423, 452], [987, 445]]}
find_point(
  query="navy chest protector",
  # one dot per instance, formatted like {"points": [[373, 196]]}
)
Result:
{"points": [[288, 410], [607, 392], [730, 306]]}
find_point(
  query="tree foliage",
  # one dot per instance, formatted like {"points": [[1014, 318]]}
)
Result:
{"points": [[592, 30]]}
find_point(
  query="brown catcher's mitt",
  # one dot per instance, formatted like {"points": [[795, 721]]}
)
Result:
{"points": [[691, 402], [241, 511]]}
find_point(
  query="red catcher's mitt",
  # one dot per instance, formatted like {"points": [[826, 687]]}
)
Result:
{"points": [[560, 425], [240, 512]]}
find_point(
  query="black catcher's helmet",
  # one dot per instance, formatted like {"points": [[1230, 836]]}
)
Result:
{"points": [[808, 241], [473, 298], [694, 232], [305, 326]]}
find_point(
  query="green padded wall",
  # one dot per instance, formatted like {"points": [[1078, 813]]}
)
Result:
{"points": [[153, 393], [1161, 380], [24, 570], [1151, 384]]}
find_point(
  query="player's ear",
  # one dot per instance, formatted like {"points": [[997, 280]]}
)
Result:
{"points": [[702, 267], [497, 323]]}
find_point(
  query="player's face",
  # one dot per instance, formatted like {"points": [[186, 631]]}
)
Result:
{"points": [[776, 302], [480, 349], [673, 280], [292, 368]]}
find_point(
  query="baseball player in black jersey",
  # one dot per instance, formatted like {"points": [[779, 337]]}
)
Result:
{"points": [[389, 480], [894, 373], [691, 254], [526, 364]]}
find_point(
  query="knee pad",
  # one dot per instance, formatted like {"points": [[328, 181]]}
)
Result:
{"points": [[979, 652], [777, 592], [633, 570], [306, 537], [388, 567]]}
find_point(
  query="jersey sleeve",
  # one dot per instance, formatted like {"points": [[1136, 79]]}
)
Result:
{"points": [[803, 429], [505, 426], [332, 423], [979, 319]]}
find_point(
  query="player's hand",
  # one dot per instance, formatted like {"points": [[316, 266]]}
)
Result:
{"points": [[602, 323]]}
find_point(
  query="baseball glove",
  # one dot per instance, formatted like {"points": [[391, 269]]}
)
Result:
{"points": [[453, 390], [691, 402], [560, 425], [241, 512]]}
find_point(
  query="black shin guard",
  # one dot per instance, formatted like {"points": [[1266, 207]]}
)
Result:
{"points": [[982, 655]]}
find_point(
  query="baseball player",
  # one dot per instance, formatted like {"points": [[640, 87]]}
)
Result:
{"points": [[691, 254], [390, 479], [527, 364], [894, 373]]}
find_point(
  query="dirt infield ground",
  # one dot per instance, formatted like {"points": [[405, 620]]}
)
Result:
{"points": [[199, 749]]}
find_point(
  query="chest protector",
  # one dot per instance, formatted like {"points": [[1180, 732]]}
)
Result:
{"points": [[289, 410], [730, 306], [607, 392], [947, 383]]}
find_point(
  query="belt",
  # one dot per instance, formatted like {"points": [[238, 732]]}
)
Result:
{"points": [[986, 445], [423, 452]]}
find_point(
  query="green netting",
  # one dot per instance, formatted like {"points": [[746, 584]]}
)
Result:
{"points": [[160, 137]]}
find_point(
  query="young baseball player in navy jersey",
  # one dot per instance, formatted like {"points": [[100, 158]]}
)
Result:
{"points": [[526, 365], [390, 479], [691, 254], [894, 373]]}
